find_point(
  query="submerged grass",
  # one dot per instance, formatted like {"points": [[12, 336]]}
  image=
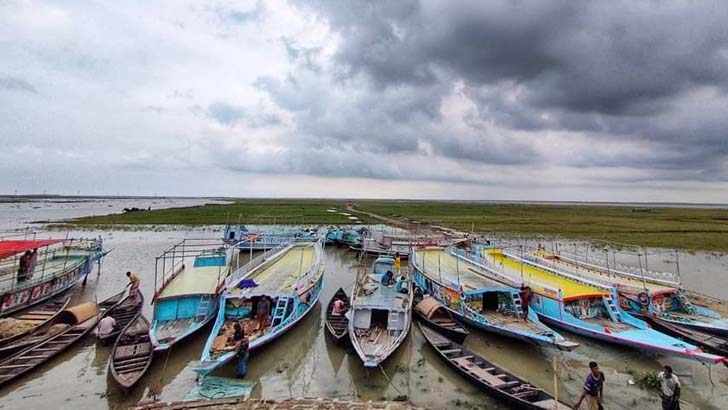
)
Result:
{"points": [[663, 227]]}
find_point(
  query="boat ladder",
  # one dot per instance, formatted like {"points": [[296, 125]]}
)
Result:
{"points": [[280, 310], [613, 311], [516, 298], [203, 307], [393, 321]]}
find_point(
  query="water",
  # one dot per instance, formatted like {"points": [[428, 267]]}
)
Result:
{"points": [[305, 363]]}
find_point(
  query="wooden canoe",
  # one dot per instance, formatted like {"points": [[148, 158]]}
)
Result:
{"points": [[338, 325], [123, 312], [132, 353], [75, 322], [436, 316], [38, 318], [495, 381]]}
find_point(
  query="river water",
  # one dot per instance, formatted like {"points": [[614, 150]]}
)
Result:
{"points": [[305, 363]]}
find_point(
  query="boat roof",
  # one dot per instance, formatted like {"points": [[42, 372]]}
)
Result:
{"points": [[281, 275], [195, 280], [542, 282], [441, 264], [11, 247]]}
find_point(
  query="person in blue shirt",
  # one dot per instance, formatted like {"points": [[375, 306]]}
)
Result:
{"points": [[593, 388], [388, 278], [401, 284]]}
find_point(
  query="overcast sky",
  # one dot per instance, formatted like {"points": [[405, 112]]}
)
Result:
{"points": [[541, 100]]}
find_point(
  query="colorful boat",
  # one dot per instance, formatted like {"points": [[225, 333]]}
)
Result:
{"points": [[56, 267], [454, 278], [658, 297], [289, 280], [266, 237], [381, 314], [188, 279], [585, 309]]}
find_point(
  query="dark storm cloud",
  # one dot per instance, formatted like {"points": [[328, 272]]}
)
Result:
{"points": [[621, 71], [16, 84]]}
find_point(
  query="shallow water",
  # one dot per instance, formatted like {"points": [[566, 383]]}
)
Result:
{"points": [[305, 363]]}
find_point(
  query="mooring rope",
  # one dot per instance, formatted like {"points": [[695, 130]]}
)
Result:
{"points": [[389, 380]]}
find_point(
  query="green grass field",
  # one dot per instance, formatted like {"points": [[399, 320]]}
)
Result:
{"points": [[259, 211], [673, 228]]}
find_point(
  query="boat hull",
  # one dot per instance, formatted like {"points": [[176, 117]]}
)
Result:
{"points": [[181, 327], [456, 335], [338, 326]]}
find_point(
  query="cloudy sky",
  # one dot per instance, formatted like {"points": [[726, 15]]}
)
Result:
{"points": [[481, 99]]}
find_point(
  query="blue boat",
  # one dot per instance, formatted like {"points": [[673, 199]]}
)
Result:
{"points": [[381, 314], [289, 278], [188, 278], [639, 292], [451, 276], [585, 309], [266, 237]]}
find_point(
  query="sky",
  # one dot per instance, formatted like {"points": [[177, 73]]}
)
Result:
{"points": [[475, 99]]}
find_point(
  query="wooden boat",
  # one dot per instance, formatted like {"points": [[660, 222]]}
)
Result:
{"points": [[585, 309], [496, 381], [435, 315], [664, 298], [289, 280], [189, 278], [123, 312], [56, 267], [132, 353], [338, 325], [48, 330], [73, 323], [380, 314], [27, 322], [457, 281]]}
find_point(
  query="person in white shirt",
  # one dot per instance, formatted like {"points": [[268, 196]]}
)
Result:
{"points": [[669, 389], [106, 326]]}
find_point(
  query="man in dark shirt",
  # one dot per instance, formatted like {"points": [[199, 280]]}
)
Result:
{"points": [[593, 389], [24, 266]]}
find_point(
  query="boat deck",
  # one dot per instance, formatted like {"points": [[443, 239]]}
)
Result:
{"points": [[540, 281], [512, 322], [171, 329], [373, 340], [607, 323], [281, 275], [195, 281], [378, 295], [439, 263]]}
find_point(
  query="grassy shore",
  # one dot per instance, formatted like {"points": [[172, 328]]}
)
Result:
{"points": [[259, 211], [673, 228], [662, 227]]}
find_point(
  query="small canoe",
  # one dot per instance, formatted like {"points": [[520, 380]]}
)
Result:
{"points": [[338, 325], [436, 316], [123, 312], [132, 353], [495, 381], [72, 325]]}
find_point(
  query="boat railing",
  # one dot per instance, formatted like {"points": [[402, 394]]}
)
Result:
{"points": [[43, 269], [663, 278], [585, 279], [172, 261]]}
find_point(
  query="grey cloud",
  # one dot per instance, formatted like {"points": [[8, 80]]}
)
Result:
{"points": [[17, 84], [231, 115]]}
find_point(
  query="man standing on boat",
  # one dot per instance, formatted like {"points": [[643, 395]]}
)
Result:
{"points": [[24, 267], [593, 389], [133, 282], [669, 389], [525, 295]]}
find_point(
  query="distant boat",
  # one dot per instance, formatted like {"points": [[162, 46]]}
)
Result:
{"points": [[58, 266], [380, 315], [638, 292], [68, 327], [132, 353], [452, 277], [435, 315], [494, 380], [587, 310], [289, 279], [123, 313], [338, 325], [264, 238], [188, 280]]}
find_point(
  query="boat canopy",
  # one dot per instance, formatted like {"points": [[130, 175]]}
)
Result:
{"points": [[11, 247], [428, 307]]}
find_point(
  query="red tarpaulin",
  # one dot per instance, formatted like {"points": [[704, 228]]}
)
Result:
{"points": [[10, 248]]}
